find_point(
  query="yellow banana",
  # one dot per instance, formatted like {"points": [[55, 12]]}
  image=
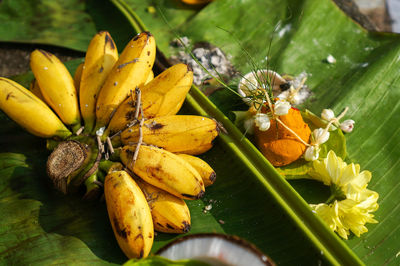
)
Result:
{"points": [[176, 133], [129, 214], [164, 95], [150, 77], [204, 169], [78, 76], [170, 214], [57, 86], [164, 170], [131, 70], [34, 88], [29, 111], [100, 59]]}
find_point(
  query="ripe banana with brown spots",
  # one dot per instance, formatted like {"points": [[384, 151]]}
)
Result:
{"points": [[164, 95], [17, 102], [204, 169], [130, 71], [99, 60], [170, 214], [57, 87], [129, 214], [188, 134], [164, 170]]}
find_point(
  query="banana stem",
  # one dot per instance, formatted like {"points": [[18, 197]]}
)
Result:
{"points": [[109, 145], [79, 131], [76, 127], [107, 166]]}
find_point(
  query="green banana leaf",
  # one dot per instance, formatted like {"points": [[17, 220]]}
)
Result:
{"points": [[40, 226]]}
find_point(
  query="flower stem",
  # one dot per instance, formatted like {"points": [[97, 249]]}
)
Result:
{"points": [[330, 199]]}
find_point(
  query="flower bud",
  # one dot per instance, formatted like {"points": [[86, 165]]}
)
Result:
{"points": [[281, 107], [262, 121], [311, 154], [327, 114], [347, 125], [320, 136]]}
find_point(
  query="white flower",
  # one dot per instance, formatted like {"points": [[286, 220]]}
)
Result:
{"points": [[320, 136], [347, 125], [311, 153], [281, 107], [262, 121], [327, 114], [330, 59]]}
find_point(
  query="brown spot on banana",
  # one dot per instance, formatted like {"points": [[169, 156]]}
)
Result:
{"points": [[46, 54], [108, 41], [170, 226], [121, 232], [9, 95], [156, 126], [139, 236]]}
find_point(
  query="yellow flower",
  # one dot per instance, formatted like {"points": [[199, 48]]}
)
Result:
{"points": [[351, 203], [333, 171]]}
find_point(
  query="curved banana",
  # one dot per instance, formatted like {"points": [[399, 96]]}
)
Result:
{"points": [[164, 95], [188, 134], [131, 70], [34, 88], [78, 76], [204, 169], [164, 170], [129, 214], [57, 86], [170, 214], [17, 102], [100, 59]]}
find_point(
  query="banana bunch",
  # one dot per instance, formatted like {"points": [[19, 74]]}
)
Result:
{"points": [[115, 109]]}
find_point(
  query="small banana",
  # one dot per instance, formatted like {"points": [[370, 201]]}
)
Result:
{"points": [[34, 88], [164, 170], [129, 214], [57, 86], [78, 76], [188, 134], [131, 70], [100, 59], [170, 214], [203, 168], [164, 95], [17, 102]]}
